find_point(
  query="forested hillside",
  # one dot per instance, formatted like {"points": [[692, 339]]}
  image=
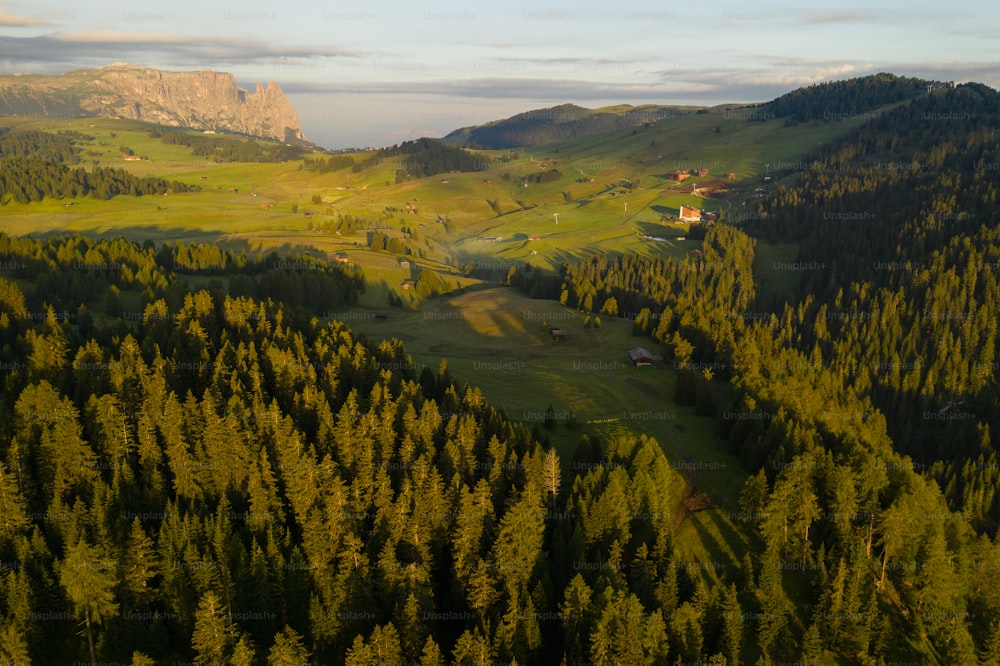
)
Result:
{"points": [[845, 100], [219, 478], [33, 166], [230, 149], [866, 397], [423, 157], [863, 556], [908, 315]]}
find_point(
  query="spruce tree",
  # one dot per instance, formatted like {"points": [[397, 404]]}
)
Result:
{"points": [[87, 576], [287, 649], [214, 636]]}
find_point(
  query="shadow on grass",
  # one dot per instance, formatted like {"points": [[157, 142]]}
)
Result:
{"points": [[659, 230], [159, 235], [722, 541], [137, 233], [664, 210]]}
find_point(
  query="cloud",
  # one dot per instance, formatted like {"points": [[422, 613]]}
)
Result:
{"points": [[751, 16], [585, 66], [980, 72], [14, 21], [766, 79], [717, 88], [838, 17], [115, 37], [762, 71], [73, 50], [800, 72], [486, 88]]}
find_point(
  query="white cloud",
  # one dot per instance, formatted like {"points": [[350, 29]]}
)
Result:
{"points": [[75, 50], [15, 21], [119, 37], [839, 17], [765, 72]]}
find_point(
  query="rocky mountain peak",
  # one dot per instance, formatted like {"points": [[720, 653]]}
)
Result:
{"points": [[204, 99]]}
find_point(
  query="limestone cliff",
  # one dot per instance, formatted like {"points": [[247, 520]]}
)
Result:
{"points": [[203, 100]]}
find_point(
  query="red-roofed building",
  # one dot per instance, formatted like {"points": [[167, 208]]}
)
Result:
{"points": [[690, 214]]}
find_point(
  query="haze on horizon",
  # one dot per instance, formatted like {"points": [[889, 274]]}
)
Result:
{"points": [[382, 72]]}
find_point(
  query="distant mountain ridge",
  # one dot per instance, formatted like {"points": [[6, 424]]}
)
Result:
{"points": [[566, 121], [832, 100], [202, 100]]}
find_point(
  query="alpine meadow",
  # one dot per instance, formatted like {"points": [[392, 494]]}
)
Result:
{"points": [[632, 384]]}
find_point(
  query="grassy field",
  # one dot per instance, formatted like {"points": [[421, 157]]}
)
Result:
{"points": [[494, 339], [590, 209], [771, 268]]}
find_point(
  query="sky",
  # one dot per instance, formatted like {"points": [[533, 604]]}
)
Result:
{"points": [[378, 72]]}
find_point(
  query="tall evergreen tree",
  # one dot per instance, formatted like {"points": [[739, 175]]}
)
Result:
{"points": [[287, 649], [87, 576], [214, 637]]}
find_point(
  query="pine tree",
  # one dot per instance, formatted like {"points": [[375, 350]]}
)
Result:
{"points": [[382, 647], [625, 634], [772, 628], [431, 655], [517, 550], [473, 649], [412, 633], [960, 648], [686, 633], [753, 498], [214, 636], [812, 645], [989, 655], [732, 625], [287, 649], [142, 659], [20, 599], [86, 576], [47, 420], [140, 565], [552, 475], [14, 647], [244, 653], [12, 506]]}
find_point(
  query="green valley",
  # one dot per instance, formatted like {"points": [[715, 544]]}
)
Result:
{"points": [[718, 387]]}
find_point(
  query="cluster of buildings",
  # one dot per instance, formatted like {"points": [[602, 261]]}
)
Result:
{"points": [[680, 175]]}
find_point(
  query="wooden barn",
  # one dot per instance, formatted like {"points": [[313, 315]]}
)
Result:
{"points": [[641, 356]]}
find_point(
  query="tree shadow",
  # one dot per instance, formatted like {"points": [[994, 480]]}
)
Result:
{"points": [[160, 235]]}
